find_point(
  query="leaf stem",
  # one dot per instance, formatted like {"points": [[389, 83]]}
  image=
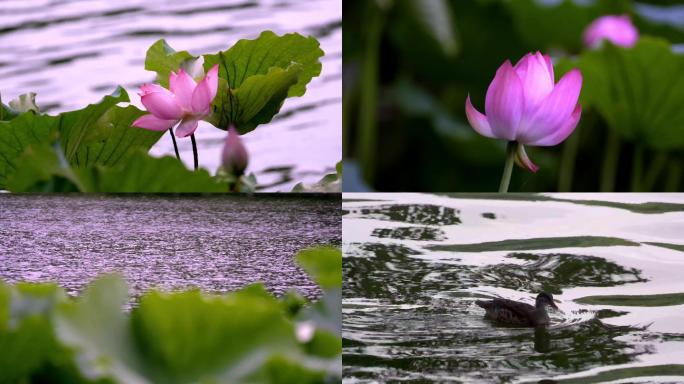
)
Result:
{"points": [[175, 145], [508, 167], [610, 160], [194, 151]]}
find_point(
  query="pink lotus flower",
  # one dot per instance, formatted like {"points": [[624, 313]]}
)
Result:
{"points": [[186, 102], [523, 105], [619, 30], [234, 157]]}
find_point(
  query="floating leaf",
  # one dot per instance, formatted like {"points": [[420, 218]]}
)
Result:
{"points": [[676, 247], [331, 182], [536, 243], [660, 300]]}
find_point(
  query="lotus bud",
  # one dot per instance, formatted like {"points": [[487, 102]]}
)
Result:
{"points": [[234, 157]]}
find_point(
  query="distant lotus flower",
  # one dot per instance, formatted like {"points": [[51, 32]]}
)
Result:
{"points": [[619, 30], [186, 102], [305, 331], [524, 107], [234, 157]]}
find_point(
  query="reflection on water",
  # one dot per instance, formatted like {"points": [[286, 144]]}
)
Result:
{"points": [[73, 52], [217, 243], [410, 287]]}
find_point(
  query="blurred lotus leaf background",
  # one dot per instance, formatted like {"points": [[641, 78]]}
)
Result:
{"points": [[410, 64]]}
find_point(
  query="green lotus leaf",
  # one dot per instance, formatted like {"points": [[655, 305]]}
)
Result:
{"points": [[255, 76], [99, 134], [639, 91], [163, 59]]}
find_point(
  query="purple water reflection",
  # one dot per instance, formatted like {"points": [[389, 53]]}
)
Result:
{"points": [[73, 52], [217, 243]]}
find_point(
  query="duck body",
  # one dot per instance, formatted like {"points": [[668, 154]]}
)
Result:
{"points": [[517, 313]]}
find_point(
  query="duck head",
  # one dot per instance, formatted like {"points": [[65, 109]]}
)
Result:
{"points": [[544, 299]]}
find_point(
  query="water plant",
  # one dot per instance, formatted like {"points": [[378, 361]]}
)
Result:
{"points": [[618, 29], [247, 336], [184, 103], [524, 107], [408, 73], [100, 148]]}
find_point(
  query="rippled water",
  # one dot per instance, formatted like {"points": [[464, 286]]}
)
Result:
{"points": [[217, 243], [73, 52], [414, 264]]}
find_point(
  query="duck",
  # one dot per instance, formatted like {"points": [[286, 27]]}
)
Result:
{"points": [[517, 313]]}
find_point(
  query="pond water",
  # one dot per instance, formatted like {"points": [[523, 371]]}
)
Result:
{"points": [[217, 243], [73, 52], [414, 265]]}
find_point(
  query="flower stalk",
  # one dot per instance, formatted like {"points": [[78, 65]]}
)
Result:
{"points": [[194, 151], [511, 149], [175, 145]]}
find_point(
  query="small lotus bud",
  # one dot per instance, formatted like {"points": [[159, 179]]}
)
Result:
{"points": [[234, 157]]}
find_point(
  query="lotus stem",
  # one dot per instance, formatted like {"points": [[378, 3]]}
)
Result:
{"points": [[567, 167], [674, 175], [508, 167], [610, 162], [367, 137], [637, 167], [654, 170], [175, 145], [194, 151]]}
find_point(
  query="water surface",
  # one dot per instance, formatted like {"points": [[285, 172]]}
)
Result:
{"points": [[217, 243], [414, 264], [73, 52]]}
